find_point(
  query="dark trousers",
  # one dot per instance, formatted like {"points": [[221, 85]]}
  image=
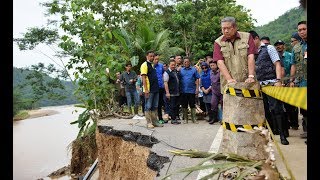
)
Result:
{"points": [[161, 103], [202, 104], [188, 99], [142, 102], [267, 111], [173, 107], [292, 114], [122, 100], [304, 119], [166, 104], [277, 114], [212, 115], [178, 103]]}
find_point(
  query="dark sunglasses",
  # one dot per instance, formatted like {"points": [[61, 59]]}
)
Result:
{"points": [[204, 68]]}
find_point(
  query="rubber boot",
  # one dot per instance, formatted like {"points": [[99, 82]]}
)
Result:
{"points": [[281, 125], [148, 118], [193, 115], [185, 115], [304, 124], [136, 110], [154, 119], [286, 126], [293, 115], [275, 128], [304, 127], [214, 117], [131, 111]]}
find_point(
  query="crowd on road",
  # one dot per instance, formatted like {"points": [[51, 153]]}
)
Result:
{"points": [[164, 90]]}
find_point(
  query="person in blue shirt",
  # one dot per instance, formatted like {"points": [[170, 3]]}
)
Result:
{"points": [[160, 70], [189, 78], [205, 85]]}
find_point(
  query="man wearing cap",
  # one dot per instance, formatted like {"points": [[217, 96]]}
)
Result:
{"points": [[289, 72], [268, 71]]}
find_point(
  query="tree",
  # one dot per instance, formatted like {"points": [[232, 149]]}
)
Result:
{"points": [[35, 36], [185, 20], [197, 23], [135, 44], [41, 85], [89, 42]]}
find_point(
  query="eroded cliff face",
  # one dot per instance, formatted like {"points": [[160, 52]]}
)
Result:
{"points": [[127, 155]]}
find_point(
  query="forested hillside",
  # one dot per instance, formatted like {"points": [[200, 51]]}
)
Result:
{"points": [[26, 93], [283, 27]]}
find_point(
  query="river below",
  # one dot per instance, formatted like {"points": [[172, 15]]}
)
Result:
{"points": [[40, 145]]}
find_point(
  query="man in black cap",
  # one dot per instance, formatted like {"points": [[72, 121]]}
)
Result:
{"points": [[291, 113]]}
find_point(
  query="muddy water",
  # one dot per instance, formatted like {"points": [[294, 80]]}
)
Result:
{"points": [[40, 145]]}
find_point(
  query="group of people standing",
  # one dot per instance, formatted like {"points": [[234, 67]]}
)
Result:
{"points": [[177, 85], [244, 57], [171, 88], [239, 57]]}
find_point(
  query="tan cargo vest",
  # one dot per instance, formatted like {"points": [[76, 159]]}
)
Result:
{"points": [[235, 58]]}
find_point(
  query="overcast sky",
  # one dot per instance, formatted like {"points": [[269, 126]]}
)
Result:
{"points": [[28, 13]]}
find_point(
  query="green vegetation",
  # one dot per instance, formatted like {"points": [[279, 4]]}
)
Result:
{"points": [[283, 27], [21, 115], [33, 89]]}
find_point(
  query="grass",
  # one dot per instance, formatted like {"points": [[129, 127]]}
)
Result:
{"points": [[21, 115]]}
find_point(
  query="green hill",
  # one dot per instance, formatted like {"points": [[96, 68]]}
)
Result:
{"points": [[26, 93], [282, 27]]}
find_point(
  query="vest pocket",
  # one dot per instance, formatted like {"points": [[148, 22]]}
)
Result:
{"points": [[243, 49], [225, 52]]}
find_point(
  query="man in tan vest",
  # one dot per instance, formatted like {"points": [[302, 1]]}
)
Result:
{"points": [[234, 52]]}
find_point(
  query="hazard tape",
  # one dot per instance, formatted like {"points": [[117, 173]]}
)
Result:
{"points": [[234, 128], [243, 92], [295, 96]]}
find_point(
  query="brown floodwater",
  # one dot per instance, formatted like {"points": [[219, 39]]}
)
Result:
{"points": [[40, 145]]}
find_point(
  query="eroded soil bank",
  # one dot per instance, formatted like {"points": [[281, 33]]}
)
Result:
{"points": [[127, 155]]}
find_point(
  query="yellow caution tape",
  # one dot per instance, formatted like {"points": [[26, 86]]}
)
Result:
{"points": [[234, 128], [243, 92], [295, 96]]}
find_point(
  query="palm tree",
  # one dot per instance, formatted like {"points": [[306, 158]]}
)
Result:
{"points": [[137, 43]]}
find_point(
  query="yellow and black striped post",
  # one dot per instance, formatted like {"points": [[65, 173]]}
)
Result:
{"points": [[243, 108]]}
